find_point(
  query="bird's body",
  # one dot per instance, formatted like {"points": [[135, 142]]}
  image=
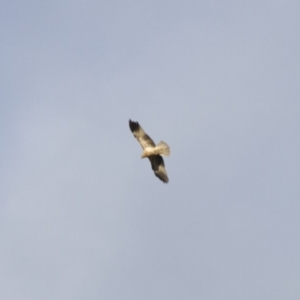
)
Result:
{"points": [[161, 149], [152, 151]]}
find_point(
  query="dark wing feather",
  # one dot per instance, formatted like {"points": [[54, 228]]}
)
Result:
{"points": [[158, 166], [141, 135]]}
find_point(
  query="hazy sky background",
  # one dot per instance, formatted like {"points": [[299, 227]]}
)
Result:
{"points": [[83, 217]]}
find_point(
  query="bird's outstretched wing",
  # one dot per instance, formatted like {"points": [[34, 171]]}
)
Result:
{"points": [[138, 132], [158, 166]]}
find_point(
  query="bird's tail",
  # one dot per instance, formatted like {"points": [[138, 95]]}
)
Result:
{"points": [[162, 149]]}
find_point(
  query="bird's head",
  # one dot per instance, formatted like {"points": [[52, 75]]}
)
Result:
{"points": [[144, 154]]}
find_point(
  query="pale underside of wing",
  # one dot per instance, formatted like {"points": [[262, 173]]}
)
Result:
{"points": [[143, 138]]}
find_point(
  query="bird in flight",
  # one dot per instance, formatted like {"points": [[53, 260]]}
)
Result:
{"points": [[152, 151]]}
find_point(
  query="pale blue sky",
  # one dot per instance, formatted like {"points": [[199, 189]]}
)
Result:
{"points": [[83, 217]]}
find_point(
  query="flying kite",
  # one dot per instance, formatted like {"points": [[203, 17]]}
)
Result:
{"points": [[152, 151]]}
